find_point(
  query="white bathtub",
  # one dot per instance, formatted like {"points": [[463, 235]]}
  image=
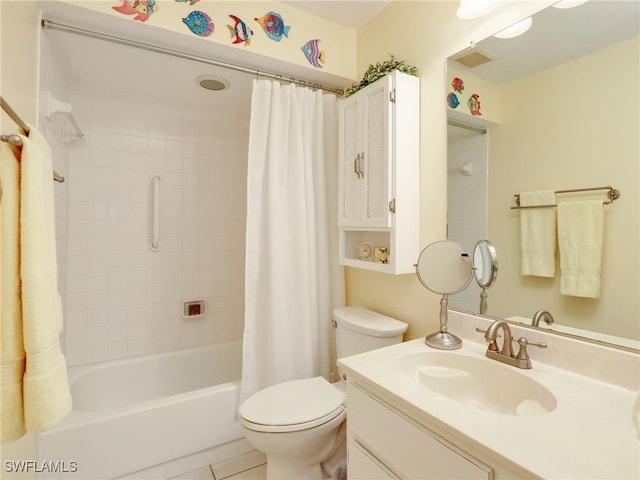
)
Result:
{"points": [[152, 416]]}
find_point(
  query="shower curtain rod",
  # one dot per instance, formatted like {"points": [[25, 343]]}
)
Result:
{"points": [[187, 56]]}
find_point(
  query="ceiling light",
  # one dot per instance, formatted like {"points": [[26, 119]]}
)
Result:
{"points": [[475, 8], [516, 29], [212, 83], [568, 3]]}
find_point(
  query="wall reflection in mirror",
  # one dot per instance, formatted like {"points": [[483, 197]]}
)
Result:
{"points": [[559, 105]]}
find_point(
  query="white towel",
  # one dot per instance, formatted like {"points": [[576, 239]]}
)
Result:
{"points": [[42, 394], [581, 238], [538, 234]]}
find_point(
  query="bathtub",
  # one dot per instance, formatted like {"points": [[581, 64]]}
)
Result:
{"points": [[153, 416]]}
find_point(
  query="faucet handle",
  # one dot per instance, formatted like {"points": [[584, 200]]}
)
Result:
{"points": [[493, 345], [523, 342]]}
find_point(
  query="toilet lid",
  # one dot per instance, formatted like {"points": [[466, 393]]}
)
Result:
{"points": [[299, 403]]}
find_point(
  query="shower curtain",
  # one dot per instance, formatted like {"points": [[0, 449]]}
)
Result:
{"points": [[288, 299]]}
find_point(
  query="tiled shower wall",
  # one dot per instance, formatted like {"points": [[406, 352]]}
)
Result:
{"points": [[467, 203], [58, 132], [123, 299]]}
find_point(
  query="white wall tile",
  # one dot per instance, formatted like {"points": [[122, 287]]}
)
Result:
{"points": [[122, 299]]}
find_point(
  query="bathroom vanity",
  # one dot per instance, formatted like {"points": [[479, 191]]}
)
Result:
{"points": [[417, 412]]}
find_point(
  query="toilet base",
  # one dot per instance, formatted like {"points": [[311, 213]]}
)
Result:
{"points": [[306, 456]]}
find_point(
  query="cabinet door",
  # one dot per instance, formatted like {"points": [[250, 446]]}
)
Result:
{"points": [[403, 446], [363, 467], [349, 184], [377, 154], [365, 157]]}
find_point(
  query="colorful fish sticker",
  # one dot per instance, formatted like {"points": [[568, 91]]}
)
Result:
{"points": [[474, 104], [273, 25], [142, 9], [199, 23], [452, 100], [457, 84], [240, 32], [313, 53], [191, 2]]}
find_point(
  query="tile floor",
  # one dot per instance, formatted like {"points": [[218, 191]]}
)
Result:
{"points": [[251, 466]]}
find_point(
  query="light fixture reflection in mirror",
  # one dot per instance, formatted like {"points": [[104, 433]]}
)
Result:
{"points": [[515, 30], [469, 9], [444, 268], [485, 269]]}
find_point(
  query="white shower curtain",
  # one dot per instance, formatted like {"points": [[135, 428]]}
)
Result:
{"points": [[288, 299]]}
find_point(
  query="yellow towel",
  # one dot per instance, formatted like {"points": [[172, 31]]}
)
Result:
{"points": [[538, 234], [36, 312], [581, 238], [12, 353]]}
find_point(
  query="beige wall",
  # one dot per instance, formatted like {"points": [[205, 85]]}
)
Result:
{"points": [[18, 84], [19, 64], [570, 127], [337, 41], [423, 34]]}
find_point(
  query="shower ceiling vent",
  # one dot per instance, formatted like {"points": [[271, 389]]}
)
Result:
{"points": [[473, 58], [211, 82]]}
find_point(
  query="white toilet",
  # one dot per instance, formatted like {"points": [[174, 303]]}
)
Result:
{"points": [[299, 424]]}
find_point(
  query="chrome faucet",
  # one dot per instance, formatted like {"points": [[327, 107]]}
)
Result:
{"points": [[521, 360], [542, 315]]}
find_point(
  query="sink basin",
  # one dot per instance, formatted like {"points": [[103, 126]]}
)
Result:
{"points": [[479, 382]]}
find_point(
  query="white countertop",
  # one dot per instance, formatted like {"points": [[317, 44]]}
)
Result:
{"points": [[589, 435]]}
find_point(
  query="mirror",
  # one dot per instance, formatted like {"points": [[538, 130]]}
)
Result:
{"points": [[559, 108], [485, 269], [444, 268]]}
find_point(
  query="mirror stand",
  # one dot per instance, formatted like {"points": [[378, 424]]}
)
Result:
{"points": [[443, 340], [444, 268], [483, 301]]}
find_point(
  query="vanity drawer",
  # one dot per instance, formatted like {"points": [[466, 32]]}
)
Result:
{"points": [[404, 447]]}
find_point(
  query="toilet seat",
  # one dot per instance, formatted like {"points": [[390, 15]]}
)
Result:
{"points": [[292, 406]]}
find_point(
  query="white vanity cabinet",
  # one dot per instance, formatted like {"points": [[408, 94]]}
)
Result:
{"points": [[379, 146], [384, 443]]}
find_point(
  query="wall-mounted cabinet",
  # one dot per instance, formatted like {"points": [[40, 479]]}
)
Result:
{"points": [[379, 175]]}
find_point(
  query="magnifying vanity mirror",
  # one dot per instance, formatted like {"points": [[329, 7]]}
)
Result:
{"points": [[444, 268], [485, 269], [566, 118]]}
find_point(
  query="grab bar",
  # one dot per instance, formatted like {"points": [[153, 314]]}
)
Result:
{"points": [[154, 246]]}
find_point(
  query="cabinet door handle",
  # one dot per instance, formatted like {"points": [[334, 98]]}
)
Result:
{"points": [[356, 161], [360, 170]]}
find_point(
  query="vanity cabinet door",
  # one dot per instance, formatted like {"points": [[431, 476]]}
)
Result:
{"points": [[362, 466], [404, 447]]}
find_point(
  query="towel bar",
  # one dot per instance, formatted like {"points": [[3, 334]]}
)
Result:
{"points": [[612, 193], [14, 139]]}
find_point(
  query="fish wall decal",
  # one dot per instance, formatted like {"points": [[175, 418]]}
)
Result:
{"points": [[199, 23], [273, 25], [142, 9], [312, 53], [240, 32]]}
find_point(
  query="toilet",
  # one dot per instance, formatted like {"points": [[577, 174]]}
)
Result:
{"points": [[300, 425]]}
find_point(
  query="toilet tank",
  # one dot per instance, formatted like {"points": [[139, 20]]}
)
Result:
{"points": [[359, 330]]}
